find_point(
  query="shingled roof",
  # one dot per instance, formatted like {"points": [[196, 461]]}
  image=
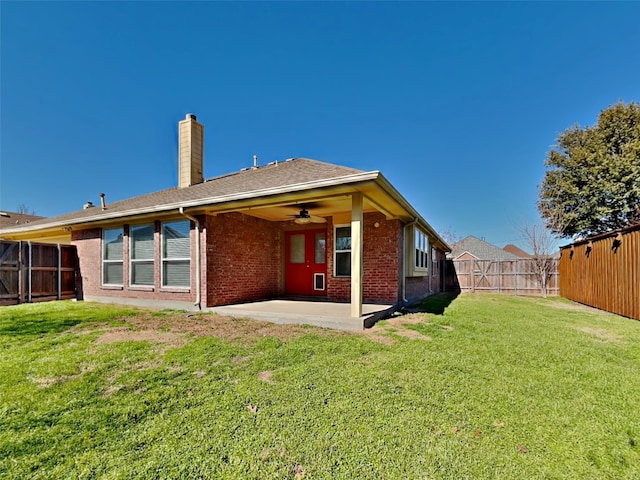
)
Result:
{"points": [[11, 219], [293, 173], [517, 251], [480, 249]]}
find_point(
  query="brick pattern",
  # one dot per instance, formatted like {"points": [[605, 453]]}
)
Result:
{"points": [[382, 253], [244, 259]]}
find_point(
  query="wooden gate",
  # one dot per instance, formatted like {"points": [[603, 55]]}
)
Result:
{"points": [[36, 272], [515, 277]]}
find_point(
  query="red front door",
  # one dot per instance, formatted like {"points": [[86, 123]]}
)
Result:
{"points": [[306, 262]]}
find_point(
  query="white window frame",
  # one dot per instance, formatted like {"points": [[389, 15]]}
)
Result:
{"points": [[336, 251], [133, 261], [417, 253], [165, 260], [435, 264], [112, 262]]}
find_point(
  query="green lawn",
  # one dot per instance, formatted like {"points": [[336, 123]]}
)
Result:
{"points": [[494, 387]]}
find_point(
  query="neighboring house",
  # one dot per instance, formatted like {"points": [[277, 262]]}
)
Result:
{"points": [[517, 251], [11, 219], [298, 227], [473, 248]]}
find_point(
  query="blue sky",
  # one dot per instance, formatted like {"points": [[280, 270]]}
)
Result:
{"points": [[456, 103]]}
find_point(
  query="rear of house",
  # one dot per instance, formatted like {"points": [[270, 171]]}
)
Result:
{"points": [[297, 228]]}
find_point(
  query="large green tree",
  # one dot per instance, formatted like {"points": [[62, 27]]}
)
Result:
{"points": [[592, 182]]}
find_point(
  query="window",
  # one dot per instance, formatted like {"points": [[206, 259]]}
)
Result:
{"points": [[112, 256], [421, 250], [342, 251], [417, 253], [434, 262], [141, 251], [176, 254]]}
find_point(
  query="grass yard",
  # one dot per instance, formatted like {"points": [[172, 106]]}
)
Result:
{"points": [[493, 387]]}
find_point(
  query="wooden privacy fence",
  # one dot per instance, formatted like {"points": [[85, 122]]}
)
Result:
{"points": [[36, 272], [513, 277], [604, 272]]}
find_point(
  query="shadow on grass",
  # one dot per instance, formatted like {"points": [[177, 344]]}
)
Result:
{"points": [[435, 304], [35, 326]]}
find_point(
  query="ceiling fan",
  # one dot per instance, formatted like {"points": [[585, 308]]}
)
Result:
{"points": [[304, 217]]}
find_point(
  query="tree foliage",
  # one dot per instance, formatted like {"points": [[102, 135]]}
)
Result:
{"points": [[592, 182]]}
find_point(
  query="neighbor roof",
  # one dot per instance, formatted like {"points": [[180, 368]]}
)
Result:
{"points": [[11, 219], [517, 251], [480, 249]]}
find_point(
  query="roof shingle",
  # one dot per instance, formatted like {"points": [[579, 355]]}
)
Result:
{"points": [[275, 175]]}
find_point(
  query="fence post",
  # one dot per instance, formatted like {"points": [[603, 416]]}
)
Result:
{"points": [[20, 273], [59, 272], [472, 279], [29, 273]]}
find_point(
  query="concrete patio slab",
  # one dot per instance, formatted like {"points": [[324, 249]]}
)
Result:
{"points": [[320, 314]]}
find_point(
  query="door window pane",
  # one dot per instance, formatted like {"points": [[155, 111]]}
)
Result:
{"points": [[320, 248], [296, 250]]}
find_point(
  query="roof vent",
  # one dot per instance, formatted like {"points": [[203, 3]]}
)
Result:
{"points": [[102, 202], [88, 205]]}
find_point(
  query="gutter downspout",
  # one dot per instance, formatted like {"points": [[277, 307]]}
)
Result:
{"points": [[404, 260], [198, 259]]}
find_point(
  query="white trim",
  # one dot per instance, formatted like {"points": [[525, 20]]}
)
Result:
{"points": [[164, 259], [324, 282], [152, 260], [335, 250], [103, 260], [412, 268]]}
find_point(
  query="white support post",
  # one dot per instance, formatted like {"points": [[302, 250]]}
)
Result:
{"points": [[356, 255]]}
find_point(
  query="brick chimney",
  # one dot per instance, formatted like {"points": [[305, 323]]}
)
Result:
{"points": [[190, 151]]}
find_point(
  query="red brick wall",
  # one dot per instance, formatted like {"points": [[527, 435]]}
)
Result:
{"points": [[382, 249], [421, 286], [244, 259]]}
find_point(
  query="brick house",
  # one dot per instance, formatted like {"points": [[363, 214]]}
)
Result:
{"points": [[299, 227]]}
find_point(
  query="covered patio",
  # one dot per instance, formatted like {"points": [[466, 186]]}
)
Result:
{"points": [[303, 312]]}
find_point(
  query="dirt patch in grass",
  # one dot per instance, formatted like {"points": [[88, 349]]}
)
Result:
{"points": [[396, 325], [601, 334], [122, 334], [175, 328]]}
